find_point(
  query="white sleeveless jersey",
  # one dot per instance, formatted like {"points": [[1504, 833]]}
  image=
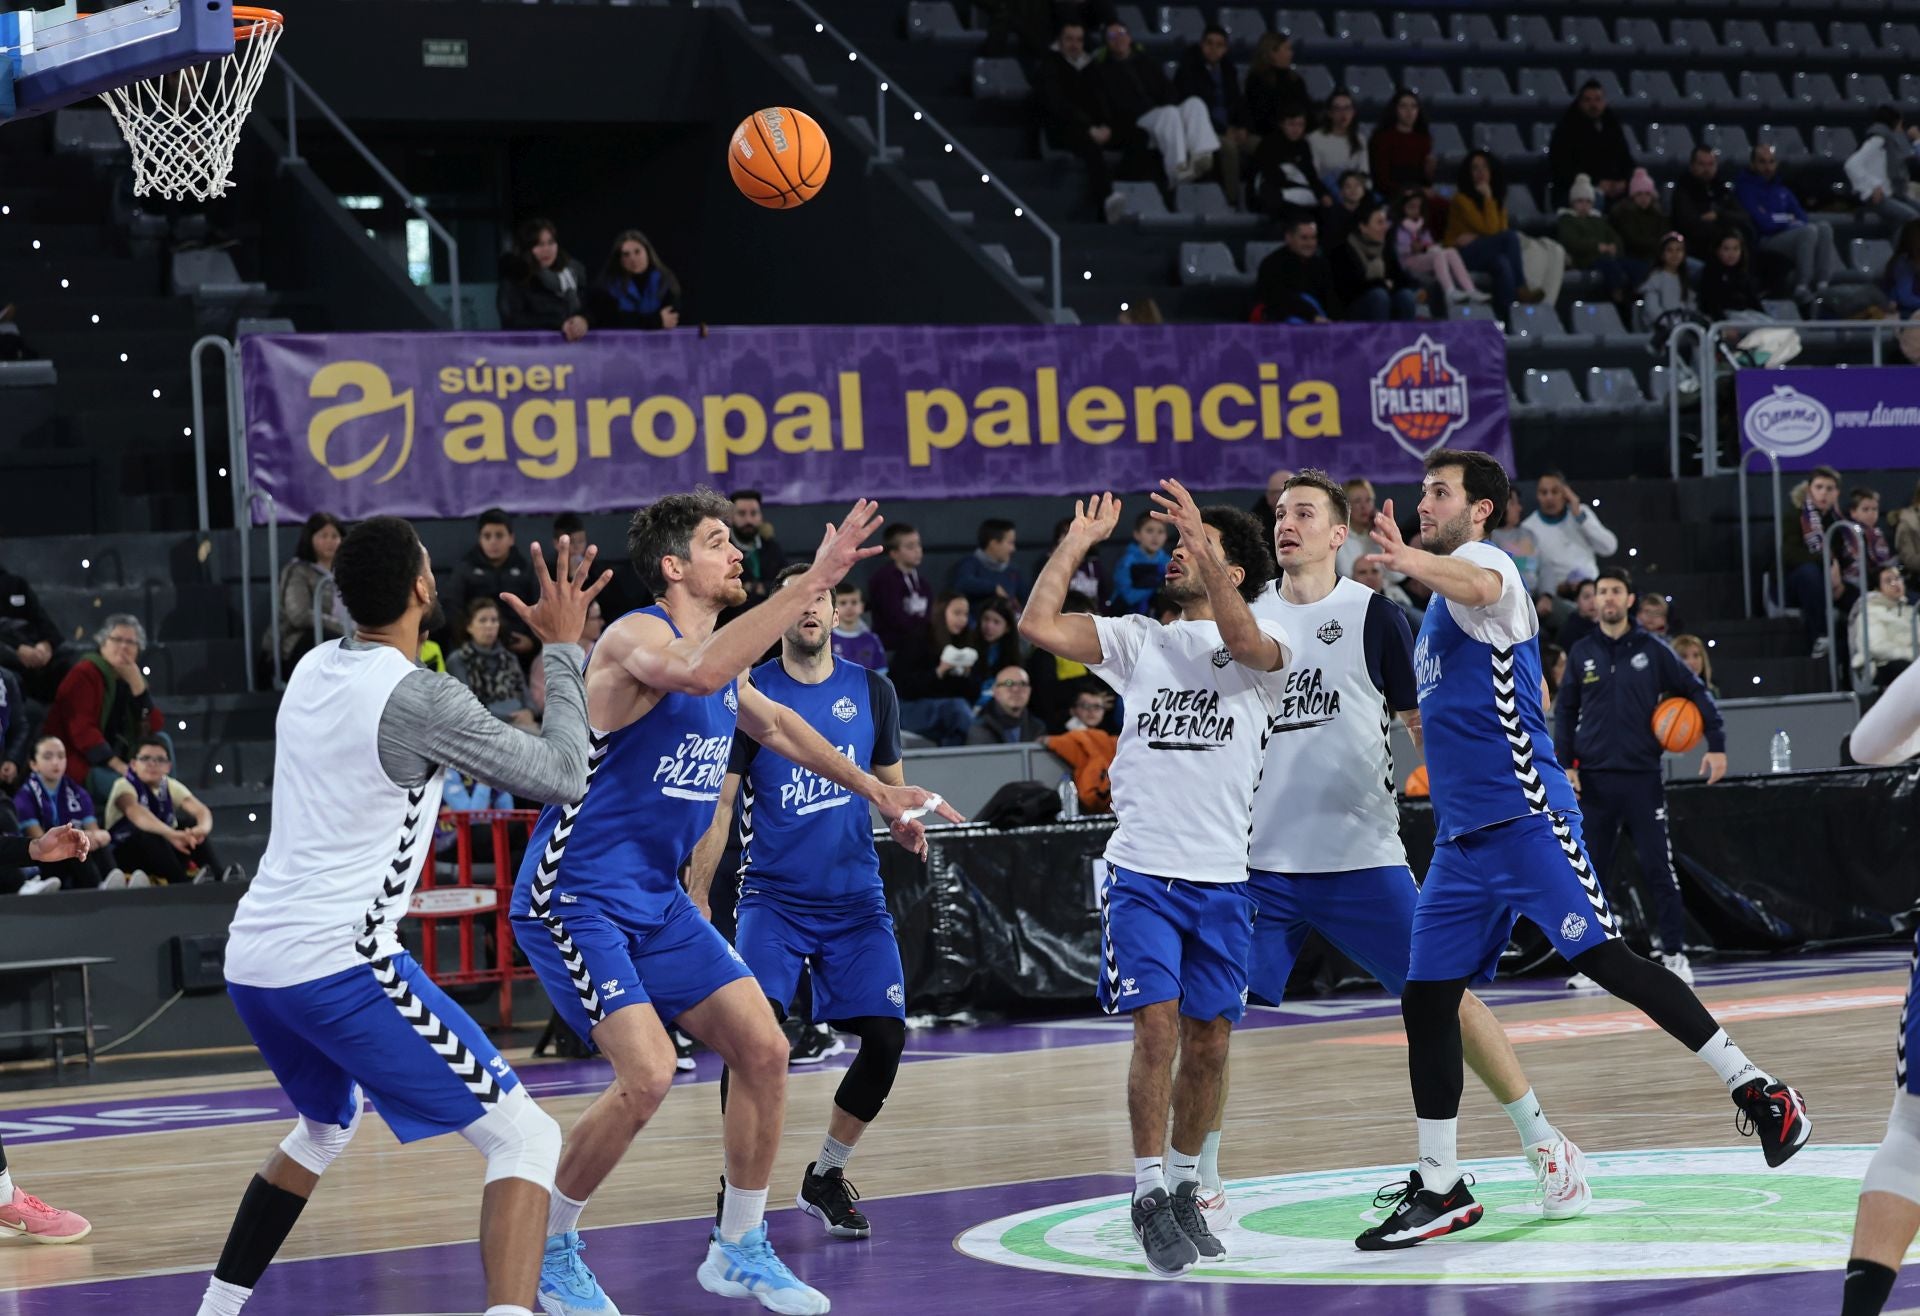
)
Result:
{"points": [[347, 844], [1326, 802], [1188, 763]]}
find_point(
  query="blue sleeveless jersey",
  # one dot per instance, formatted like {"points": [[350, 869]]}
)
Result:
{"points": [[1489, 752], [805, 840], [651, 790]]}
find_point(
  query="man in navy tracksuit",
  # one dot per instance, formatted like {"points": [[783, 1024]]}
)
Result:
{"points": [[1603, 728]]}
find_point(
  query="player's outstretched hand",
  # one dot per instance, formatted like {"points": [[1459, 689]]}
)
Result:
{"points": [[1177, 508], [63, 842], [1094, 519], [904, 806], [561, 613], [840, 546], [1386, 534]]}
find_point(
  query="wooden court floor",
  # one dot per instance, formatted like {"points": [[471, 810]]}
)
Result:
{"points": [[1312, 1094]]}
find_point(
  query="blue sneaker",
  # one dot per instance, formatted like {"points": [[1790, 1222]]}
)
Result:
{"points": [[749, 1269], [567, 1287]]}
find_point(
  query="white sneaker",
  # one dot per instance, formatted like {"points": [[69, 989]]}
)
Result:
{"points": [[1201, 164], [1481, 297], [1115, 207], [1580, 982], [1213, 1207], [138, 877], [114, 881], [1677, 964], [34, 886], [1457, 295], [1560, 1173]]}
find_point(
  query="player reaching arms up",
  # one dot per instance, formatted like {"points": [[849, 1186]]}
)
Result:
{"points": [[1175, 916], [598, 905], [1507, 845]]}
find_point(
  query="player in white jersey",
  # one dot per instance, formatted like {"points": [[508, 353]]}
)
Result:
{"points": [[336, 1006], [1198, 693], [1326, 854]]}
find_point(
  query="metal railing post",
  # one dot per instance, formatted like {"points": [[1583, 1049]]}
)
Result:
{"points": [[273, 586], [293, 127], [1746, 532], [1826, 583], [1675, 363], [197, 376]]}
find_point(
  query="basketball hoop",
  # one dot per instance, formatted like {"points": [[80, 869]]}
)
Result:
{"points": [[183, 127]]}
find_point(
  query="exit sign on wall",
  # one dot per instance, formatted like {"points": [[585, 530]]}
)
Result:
{"points": [[443, 53]]}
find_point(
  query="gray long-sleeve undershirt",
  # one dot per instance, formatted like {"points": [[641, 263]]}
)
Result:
{"points": [[432, 719]]}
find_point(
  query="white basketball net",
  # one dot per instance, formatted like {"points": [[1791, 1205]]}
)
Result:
{"points": [[183, 127]]}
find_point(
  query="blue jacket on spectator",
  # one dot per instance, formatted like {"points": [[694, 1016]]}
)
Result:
{"points": [[977, 576], [1603, 712], [1772, 207], [1129, 596]]}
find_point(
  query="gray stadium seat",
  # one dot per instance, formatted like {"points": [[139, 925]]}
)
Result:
{"points": [[934, 20], [1909, 88], [1551, 390], [1531, 32], [1639, 34], [1178, 25], [1608, 80], [1697, 36], [1522, 210], [1476, 33], [1730, 139], [1902, 40], [1817, 90], [1855, 41], [1709, 91], [1870, 255], [1001, 256], [1786, 142], [1141, 202], [1359, 26], [1545, 88], [1798, 37], [1600, 320], [1669, 143], [1244, 26], [999, 80], [1420, 30], [1654, 90], [1319, 83], [1781, 308], [934, 194], [1449, 147], [1211, 264], [1588, 36], [1534, 326], [1542, 132], [1834, 145], [1659, 385], [1867, 91], [1134, 19], [1474, 311], [1304, 25], [1207, 203], [1489, 87], [1614, 389], [1432, 85], [1763, 90], [1500, 140], [1745, 36], [1258, 252], [1371, 85]]}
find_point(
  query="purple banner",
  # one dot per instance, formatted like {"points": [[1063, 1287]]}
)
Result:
{"points": [[1856, 418], [441, 425]]}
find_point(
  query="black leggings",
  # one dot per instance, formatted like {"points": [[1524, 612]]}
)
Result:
{"points": [[155, 855]]}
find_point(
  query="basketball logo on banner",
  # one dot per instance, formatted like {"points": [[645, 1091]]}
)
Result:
{"points": [[1419, 398], [1788, 423]]}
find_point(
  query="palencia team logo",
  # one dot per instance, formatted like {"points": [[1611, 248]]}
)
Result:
{"points": [[1329, 633], [1419, 398], [843, 708], [1222, 656], [732, 701]]}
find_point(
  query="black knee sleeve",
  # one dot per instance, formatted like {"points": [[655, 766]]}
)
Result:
{"points": [[870, 1078], [1435, 1060], [1651, 988], [265, 1218]]}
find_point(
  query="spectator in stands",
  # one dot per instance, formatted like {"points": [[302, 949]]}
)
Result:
{"points": [[1090, 577], [1339, 220], [1374, 578], [635, 289], [1005, 719], [495, 566], [157, 825], [1339, 143], [1057, 680], [1477, 227], [1728, 290], [1901, 282], [18, 722], [1883, 629], [1137, 92], [1693, 652], [30, 642], [1142, 568], [1273, 85], [1073, 114], [1401, 147], [998, 628], [1032, 23], [596, 626], [464, 794], [1589, 140], [1704, 206], [1639, 220], [1515, 539], [1092, 708], [1367, 274], [931, 671], [1652, 613], [989, 573], [897, 591], [1360, 503], [103, 706], [1261, 509], [1144, 311], [1289, 184], [1878, 171], [541, 287], [1668, 290], [853, 642], [1592, 243], [1207, 75], [1295, 282], [761, 557], [307, 590], [1586, 614], [1863, 510], [1420, 255], [1906, 535], [1815, 505], [488, 669], [52, 799], [1570, 535], [1782, 222]]}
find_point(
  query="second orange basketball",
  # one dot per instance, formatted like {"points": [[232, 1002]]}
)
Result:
{"points": [[779, 157]]}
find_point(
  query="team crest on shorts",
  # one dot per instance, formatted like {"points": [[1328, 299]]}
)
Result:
{"points": [[1329, 633], [1222, 656], [1573, 927], [897, 995], [844, 709], [732, 701]]}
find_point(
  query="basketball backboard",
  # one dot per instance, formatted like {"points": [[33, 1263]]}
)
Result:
{"points": [[53, 59]]}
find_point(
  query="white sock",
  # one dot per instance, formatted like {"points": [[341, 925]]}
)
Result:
{"points": [[1731, 1063], [563, 1214], [1439, 1154], [1210, 1161], [741, 1210], [507, 1309], [834, 1155], [6, 1185], [1529, 1120], [1182, 1168], [223, 1299], [1147, 1176]]}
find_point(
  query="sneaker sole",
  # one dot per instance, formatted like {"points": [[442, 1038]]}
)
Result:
{"points": [[1464, 1218], [684, 1064], [1159, 1270], [51, 1240], [561, 1307], [784, 1301], [837, 1231], [1566, 1210], [1806, 1132]]}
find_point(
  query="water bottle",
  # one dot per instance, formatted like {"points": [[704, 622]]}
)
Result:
{"points": [[1782, 753], [1069, 798]]}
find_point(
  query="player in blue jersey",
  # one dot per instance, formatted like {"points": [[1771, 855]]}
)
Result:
{"points": [[810, 894], [1507, 846], [599, 908]]}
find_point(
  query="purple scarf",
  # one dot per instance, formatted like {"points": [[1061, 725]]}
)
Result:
{"points": [[64, 804], [158, 803]]}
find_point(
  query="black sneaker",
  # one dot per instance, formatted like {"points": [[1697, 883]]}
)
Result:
{"points": [[1186, 1213], [1777, 1114], [814, 1045], [682, 1051], [1419, 1214], [830, 1199], [1169, 1251]]}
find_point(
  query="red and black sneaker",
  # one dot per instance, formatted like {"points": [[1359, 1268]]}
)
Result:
{"points": [[1777, 1115], [1419, 1214]]}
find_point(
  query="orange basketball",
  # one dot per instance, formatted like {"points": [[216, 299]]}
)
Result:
{"points": [[1416, 787], [779, 157], [1677, 724]]}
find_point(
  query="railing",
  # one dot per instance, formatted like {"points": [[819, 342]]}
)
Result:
{"points": [[295, 83], [885, 86], [1826, 585], [245, 532], [1746, 542]]}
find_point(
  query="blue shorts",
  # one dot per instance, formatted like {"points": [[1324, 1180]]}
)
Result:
{"points": [[1366, 913], [1173, 940], [1480, 884], [592, 965], [852, 956], [428, 1067]]}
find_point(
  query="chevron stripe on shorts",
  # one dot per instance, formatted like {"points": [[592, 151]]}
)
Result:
{"points": [[1900, 1040], [1109, 962], [546, 877]]}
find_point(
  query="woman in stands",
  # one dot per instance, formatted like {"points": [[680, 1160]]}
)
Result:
{"points": [[50, 800], [1728, 290], [1901, 282], [541, 287], [1339, 142], [635, 289], [999, 646], [307, 590], [489, 668], [1401, 148], [1272, 86], [932, 671], [1477, 227]]}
